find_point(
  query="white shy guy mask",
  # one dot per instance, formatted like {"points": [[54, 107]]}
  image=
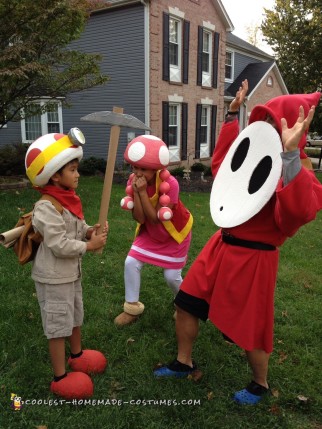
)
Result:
{"points": [[248, 175]]}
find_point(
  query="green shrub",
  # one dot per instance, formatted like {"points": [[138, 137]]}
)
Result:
{"points": [[91, 166], [198, 166], [208, 171], [12, 159], [177, 172]]}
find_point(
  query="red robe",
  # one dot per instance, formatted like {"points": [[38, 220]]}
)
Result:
{"points": [[238, 283]]}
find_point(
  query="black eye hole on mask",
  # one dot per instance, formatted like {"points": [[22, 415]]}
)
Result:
{"points": [[240, 154], [260, 174]]}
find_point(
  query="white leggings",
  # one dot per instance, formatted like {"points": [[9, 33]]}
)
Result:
{"points": [[132, 279]]}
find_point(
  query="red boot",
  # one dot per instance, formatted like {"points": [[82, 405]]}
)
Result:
{"points": [[76, 385], [90, 362]]}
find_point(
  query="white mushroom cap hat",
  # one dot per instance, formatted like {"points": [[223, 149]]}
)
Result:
{"points": [[49, 153], [147, 151]]}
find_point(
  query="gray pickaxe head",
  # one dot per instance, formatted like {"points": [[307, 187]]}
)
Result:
{"points": [[119, 119]]}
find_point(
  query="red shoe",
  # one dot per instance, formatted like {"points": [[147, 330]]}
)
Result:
{"points": [[76, 385], [90, 362]]}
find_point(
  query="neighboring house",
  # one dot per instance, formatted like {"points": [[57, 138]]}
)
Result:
{"points": [[245, 61], [175, 65]]}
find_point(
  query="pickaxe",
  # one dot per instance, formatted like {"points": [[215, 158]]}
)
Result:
{"points": [[117, 119]]}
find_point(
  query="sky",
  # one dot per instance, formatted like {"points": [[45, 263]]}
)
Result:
{"points": [[247, 13]]}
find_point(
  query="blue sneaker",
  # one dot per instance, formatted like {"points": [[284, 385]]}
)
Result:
{"points": [[174, 369], [251, 395]]}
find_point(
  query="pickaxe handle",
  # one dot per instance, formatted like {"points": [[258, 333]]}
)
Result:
{"points": [[109, 172]]}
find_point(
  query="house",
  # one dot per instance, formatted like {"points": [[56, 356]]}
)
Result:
{"points": [[245, 61], [175, 65]]}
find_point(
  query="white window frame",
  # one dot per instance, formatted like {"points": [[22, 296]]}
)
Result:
{"points": [[175, 149], [207, 76], [43, 119], [176, 69], [205, 146], [232, 57]]}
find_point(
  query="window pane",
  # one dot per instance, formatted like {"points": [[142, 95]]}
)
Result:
{"points": [[52, 115], [205, 44], [203, 134], [204, 116], [228, 58], [173, 113], [33, 127], [228, 65], [173, 125], [227, 72], [53, 128], [53, 119], [173, 54], [173, 136], [173, 31], [205, 62]]}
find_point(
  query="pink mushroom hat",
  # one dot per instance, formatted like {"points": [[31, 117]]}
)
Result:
{"points": [[150, 152]]}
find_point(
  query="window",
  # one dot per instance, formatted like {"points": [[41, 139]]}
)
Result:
{"points": [[174, 47], [207, 64], [229, 75], [270, 81], [176, 33], [205, 129], [206, 53], [205, 132], [48, 122], [174, 125], [174, 132]]}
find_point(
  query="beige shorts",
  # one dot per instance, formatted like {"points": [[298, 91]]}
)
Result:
{"points": [[61, 307]]}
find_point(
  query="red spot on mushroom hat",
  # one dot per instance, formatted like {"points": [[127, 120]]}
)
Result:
{"points": [[147, 151]]}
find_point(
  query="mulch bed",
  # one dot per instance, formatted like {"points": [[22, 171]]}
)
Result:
{"points": [[194, 184]]}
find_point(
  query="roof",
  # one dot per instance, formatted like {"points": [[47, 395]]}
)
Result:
{"points": [[242, 45], [255, 73], [110, 4]]}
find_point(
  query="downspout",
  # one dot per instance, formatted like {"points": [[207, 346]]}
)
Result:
{"points": [[146, 61]]}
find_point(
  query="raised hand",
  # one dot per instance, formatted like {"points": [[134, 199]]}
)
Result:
{"points": [[292, 136], [240, 97]]}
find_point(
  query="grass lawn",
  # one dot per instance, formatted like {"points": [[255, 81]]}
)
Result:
{"points": [[127, 395]]}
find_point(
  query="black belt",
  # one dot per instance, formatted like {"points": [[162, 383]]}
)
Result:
{"points": [[230, 239]]}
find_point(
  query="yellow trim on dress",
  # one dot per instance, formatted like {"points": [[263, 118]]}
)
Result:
{"points": [[178, 236]]}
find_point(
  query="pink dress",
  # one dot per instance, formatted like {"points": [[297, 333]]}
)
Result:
{"points": [[154, 245]]}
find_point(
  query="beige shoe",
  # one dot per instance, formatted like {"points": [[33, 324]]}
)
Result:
{"points": [[130, 314], [125, 319]]}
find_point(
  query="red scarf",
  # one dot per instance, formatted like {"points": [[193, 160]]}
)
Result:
{"points": [[67, 198]]}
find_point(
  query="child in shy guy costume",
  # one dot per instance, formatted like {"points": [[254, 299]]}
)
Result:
{"points": [[232, 281], [51, 165], [163, 232]]}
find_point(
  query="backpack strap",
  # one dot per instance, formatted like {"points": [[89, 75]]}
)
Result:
{"points": [[54, 202]]}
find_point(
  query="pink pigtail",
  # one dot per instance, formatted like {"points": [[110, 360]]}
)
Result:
{"points": [[164, 213], [127, 202]]}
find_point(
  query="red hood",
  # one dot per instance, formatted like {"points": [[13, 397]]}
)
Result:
{"points": [[286, 106]]}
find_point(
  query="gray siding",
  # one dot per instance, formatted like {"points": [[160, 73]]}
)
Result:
{"points": [[118, 36], [241, 61]]}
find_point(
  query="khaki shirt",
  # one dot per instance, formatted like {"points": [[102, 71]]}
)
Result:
{"points": [[58, 259]]}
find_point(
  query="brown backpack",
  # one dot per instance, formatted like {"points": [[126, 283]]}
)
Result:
{"points": [[27, 244]]}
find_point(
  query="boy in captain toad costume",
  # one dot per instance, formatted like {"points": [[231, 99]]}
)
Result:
{"points": [[163, 232], [232, 281], [51, 165]]}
